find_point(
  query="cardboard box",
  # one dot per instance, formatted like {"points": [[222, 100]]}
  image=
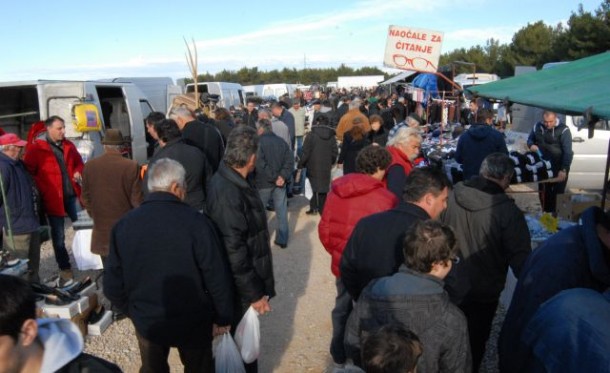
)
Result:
{"points": [[81, 319], [571, 205], [83, 304], [100, 327]]}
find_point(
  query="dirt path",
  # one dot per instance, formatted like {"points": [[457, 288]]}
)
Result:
{"points": [[295, 336]]}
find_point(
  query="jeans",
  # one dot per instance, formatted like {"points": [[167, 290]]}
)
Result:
{"points": [[280, 204], [299, 146], [154, 357], [340, 314], [58, 234]]}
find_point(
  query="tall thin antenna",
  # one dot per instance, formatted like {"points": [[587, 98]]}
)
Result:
{"points": [[304, 61]]}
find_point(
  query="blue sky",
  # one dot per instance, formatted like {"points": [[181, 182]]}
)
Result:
{"points": [[61, 39]]}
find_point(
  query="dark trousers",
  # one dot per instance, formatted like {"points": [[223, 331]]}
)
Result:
{"points": [[58, 233], [317, 202], [479, 316], [340, 314], [548, 195], [154, 357]]}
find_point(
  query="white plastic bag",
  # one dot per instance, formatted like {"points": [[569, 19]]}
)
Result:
{"points": [[226, 356], [248, 336], [308, 189], [336, 172], [81, 248]]}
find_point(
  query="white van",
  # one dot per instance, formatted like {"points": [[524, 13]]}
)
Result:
{"points": [[160, 91], [120, 105], [468, 80], [253, 90], [278, 90], [231, 94]]}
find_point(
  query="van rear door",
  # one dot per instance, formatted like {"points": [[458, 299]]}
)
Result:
{"points": [[136, 102], [58, 99]]}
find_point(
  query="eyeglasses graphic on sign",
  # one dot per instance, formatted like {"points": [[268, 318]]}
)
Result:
{"points": [[416, 63]]}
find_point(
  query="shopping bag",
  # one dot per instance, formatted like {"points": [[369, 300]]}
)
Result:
{"points": [[336, 172], [226, 355], [308, 189], [81, 248], [248, 336]]}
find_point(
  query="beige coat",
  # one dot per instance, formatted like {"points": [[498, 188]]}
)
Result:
{"points": [[347, 122]]}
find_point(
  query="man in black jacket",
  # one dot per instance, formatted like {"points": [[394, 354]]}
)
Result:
{"points": [[274, 163], [202, 135], [250, 115], [198, 169], [375, 247], [167, 272], [492, 234], [235, 206], [553, 140]]}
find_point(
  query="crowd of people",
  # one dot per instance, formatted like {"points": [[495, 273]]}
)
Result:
{"points": [[419, 262]]}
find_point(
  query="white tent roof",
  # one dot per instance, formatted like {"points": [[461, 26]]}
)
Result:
{"points": [[401, 76]]}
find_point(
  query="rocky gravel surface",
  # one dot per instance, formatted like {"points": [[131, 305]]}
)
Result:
{"points": [[296, 334]]}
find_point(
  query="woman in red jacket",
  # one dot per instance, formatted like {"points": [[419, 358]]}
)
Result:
{"points": [[351, 198]]}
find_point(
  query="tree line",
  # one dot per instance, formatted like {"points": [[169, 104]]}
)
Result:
{"points": [[585, 34]]}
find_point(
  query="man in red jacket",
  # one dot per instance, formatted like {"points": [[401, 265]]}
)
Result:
{"points": [[351, 198], [56, 167]]}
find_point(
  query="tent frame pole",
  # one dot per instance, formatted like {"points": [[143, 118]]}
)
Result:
{"points": [[606, 178]]}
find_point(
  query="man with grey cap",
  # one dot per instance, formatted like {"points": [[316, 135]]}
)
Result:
{"points": [[18, 213], [111, 188], [279, 128], [279, 112]]}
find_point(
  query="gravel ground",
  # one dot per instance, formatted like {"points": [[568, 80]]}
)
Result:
{"points": [[296, 334]]}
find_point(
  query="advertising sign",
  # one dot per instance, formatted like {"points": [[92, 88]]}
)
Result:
{"points": [[413, 49]]}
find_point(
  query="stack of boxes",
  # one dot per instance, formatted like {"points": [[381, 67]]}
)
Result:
{"points": [[79, 312]]}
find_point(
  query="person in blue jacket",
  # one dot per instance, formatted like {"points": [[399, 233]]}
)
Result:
{"points": [[570, 333], [478, 142], [576, 257], [19, 219]]}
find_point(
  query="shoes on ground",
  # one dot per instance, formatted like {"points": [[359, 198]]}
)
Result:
{"points": [[311, 212], [282, 245], [96, 314], [55, 300], [116, 314], [78, 286]]}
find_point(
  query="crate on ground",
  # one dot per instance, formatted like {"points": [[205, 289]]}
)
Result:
{"points": [[571, 205]]}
